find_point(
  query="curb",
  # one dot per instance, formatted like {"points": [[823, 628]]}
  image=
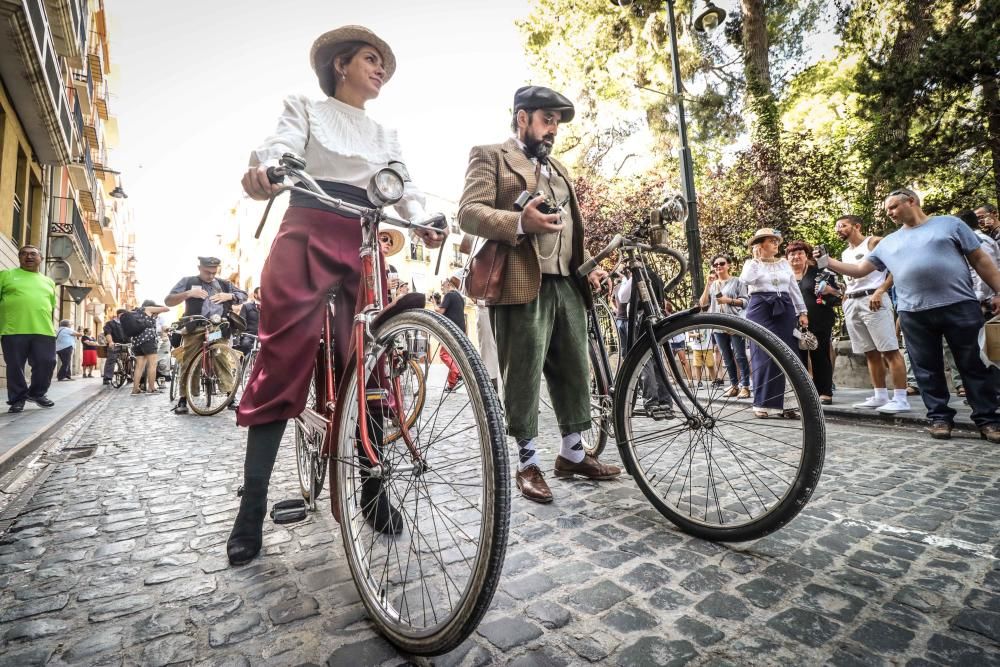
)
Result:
{"points": [[875, 417]]}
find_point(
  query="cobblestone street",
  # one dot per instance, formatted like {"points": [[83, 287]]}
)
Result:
{"points": [[118, 557]]}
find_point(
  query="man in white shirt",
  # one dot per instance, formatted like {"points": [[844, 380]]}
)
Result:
{"points": [[870, 322]]}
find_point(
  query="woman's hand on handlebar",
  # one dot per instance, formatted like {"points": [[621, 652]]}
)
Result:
{"points": [[256, 184], [430, 239]]}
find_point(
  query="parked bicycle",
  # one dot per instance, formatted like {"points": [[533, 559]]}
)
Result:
{"points": [[704, 460], [210, 378], [440, 455], [124, 365]]}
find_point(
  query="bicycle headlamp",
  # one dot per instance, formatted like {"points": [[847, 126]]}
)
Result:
{"points": [[385, 188], [673, 209]]}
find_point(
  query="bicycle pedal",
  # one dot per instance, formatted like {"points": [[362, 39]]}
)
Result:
{"points": [[289, 511]]}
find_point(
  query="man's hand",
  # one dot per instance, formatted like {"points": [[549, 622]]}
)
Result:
{"points": [[256, 185], [822, 257], [596, 277], [197, 293], [875, 301], [996, 304], [221, 297], [534, 221]]}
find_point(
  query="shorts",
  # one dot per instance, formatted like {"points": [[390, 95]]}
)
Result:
{"points": [[677, 346], [704, 358], [870, 330]]}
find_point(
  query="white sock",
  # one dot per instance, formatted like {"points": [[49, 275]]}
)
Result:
{"points": [[899, 395], [527, 456], [882, 393], [572, 448]]}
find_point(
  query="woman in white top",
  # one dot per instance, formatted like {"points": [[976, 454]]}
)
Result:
{"points": [[775, 301], [727, 294], [315, 250]]}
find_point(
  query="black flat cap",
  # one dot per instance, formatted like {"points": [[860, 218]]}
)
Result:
{"points": [[540, 97], [209, 261]]}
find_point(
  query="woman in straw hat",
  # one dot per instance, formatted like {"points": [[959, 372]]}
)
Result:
{"points": [[775, 301], [314, 251]]}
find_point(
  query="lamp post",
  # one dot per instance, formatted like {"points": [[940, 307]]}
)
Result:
{"points": [[706, 21]]}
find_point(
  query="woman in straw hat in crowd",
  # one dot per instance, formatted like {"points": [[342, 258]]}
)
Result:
{"points": [[391, 241], [776, 304], [314, 251]]}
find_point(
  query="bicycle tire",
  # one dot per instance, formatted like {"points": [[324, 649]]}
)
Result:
{"points": [[119, 375], [608, 327], [309, 437], [418, 403], [174, 389], [193, 381], [363, 546], [787, 471], [601, 405]]}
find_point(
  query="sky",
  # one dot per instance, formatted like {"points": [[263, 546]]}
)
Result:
{"points": [[200, 84]]}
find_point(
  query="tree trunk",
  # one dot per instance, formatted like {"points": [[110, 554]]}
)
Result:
{"points": [[889, 135], [765, 124]]}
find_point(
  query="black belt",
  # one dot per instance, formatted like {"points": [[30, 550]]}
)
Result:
{"points": [[348, 193], [857, 295]]}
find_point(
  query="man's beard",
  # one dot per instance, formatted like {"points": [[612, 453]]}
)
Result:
{"points": [[538, 148]]}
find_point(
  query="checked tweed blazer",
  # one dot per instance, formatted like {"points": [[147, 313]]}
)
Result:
{"points": [[496, 176]]}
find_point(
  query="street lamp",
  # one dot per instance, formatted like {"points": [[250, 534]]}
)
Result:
{"points": [[117, 193], [707, 20]]}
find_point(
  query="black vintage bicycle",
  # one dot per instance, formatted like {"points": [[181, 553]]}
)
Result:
{"points": [[705, 459]]}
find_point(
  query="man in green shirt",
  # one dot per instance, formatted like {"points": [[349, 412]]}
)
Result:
{"points": [[27, 301]]}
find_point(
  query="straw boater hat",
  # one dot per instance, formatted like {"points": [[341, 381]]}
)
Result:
{"points": [[319, 55], [764, 233], [396, 240], [456, 278]]}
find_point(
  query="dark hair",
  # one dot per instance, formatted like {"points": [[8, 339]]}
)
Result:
{"points": [[256, 292], [989, 208], [728, 259], [343, 52], [513, 120], [855, 220], [799, 245], [120, 311], [147, 303], [969, 218]]}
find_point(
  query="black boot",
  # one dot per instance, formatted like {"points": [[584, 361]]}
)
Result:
{"points": [[375, 504], [262, 448]]}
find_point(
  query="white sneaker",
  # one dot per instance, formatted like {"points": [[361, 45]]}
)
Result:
{"points": [[895, 406], [872, 402]]}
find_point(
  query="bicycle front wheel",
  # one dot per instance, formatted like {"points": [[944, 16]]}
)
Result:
{"points": [[730, 469], [427, 573], [120, 374], [210, 379]]}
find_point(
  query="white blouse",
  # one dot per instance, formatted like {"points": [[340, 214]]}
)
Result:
{"points": [[339, 143], [760, 276]]}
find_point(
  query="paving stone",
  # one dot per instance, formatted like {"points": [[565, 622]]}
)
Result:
{"points": [[706, 579], [788, 574], [183, 589], [668, 599], [804, 626], [702, 633], [950, 651], [628, 618], [986, 623], [541, 657], [829, 602], [172, 650], [593, 648], [656, 652], [34, 607], [301, 607], [597, 598], [372, 651], [159, 624], [32, 629], [882, 637], [853, 656], [468, 654], [762, 592], [519, 562], [721, 605], [530, 586], [234, 629], [507, 633], [36, 656], [212, 611], [549, 614], [124, 606]]}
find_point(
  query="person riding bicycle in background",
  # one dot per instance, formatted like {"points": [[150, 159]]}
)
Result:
{"points": [[315, 251], [540, 319], [250, 312], [205, 295]]}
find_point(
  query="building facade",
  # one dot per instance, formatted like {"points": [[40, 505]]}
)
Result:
{"points": [[57, 131]]}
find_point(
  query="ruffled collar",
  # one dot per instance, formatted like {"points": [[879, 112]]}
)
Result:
{"points": [[344, 108]]}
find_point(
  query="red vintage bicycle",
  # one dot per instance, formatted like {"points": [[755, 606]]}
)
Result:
{"points": [[439, 456]]}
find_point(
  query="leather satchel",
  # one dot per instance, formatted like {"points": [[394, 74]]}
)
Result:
{"points": [[485, 274]]}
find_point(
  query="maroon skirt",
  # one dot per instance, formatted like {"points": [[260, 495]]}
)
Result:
{"points": [[314, 252]]}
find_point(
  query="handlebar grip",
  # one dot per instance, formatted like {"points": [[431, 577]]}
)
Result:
{"points": [[273, 176], [592, 263], [587, 267], [439, 221]]}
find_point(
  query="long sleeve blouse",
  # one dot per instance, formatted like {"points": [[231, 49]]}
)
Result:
{"points": [[760, 276], [339, 143]]}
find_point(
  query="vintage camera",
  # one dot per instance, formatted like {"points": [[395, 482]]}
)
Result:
{"points": [[548, 207]]}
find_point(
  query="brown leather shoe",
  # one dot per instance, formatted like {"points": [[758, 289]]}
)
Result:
{"points": [[940, 430], [589, 467], [531, 483], [990, 432]]}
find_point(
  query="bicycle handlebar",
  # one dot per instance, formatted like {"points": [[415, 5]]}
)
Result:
{"points": [[592, 263]]}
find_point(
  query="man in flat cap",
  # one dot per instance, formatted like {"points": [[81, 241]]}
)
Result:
{"points": [[540, 319], [205, 295]]}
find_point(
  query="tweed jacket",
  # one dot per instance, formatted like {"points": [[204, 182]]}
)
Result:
{"points": [[496, 176]]}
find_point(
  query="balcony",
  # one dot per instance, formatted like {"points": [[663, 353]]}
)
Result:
{"points": [[84, 89], [101, 101], [65, 220], [94, 131], [30, 69], [95, 59], [68, 22]]}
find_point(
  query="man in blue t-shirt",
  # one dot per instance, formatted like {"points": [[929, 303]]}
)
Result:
{"points": [[927, 258]]}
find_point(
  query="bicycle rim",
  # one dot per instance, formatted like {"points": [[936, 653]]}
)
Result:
{"points": [[726, 474], [411, 379], [310, 430], [600, 405], [206, 394], [427, 587]]}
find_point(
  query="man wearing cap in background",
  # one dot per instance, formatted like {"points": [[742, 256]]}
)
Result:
{"points": [[205, 295], [540, 319], [452, 306]]}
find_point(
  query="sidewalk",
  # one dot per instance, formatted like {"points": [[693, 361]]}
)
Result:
{"points": [[19, 433], [844, 398]]}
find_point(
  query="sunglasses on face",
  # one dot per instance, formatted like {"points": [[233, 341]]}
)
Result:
{"points": [[720, 263]]}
